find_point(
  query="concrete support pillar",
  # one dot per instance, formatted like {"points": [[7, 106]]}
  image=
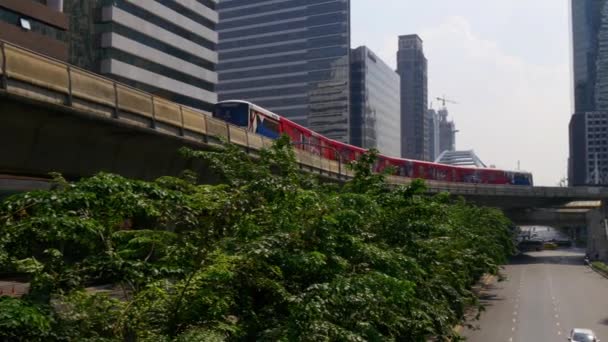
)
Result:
{"points": [[56, 5], [597, 233]]}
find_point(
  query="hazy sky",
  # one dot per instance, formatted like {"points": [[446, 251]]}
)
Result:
{"points": [[507, 63]]}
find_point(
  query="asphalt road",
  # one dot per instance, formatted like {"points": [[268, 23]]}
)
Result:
{"points": [[544, 296]]}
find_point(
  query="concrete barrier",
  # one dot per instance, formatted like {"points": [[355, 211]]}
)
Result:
{"points": [[254, 141], [167, 112], [92, 88], [238, 136], [134, 101], [29, 67], [217, 128], [194, 121]]}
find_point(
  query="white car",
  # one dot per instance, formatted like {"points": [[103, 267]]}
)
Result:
{"points": [[582, 335]]}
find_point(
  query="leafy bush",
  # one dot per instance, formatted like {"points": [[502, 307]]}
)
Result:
{"points": [[21, 320], [270, 255]]}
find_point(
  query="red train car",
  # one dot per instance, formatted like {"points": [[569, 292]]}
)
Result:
{"points": [[264, 122]]}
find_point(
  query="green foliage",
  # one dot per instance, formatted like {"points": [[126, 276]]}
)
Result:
{"points": [[269, 255], [23, 321], [600, 266]]}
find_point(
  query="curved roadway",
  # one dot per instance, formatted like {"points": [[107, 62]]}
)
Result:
{"points": [[545, 295]]}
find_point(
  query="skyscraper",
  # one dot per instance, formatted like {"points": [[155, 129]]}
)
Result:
{"points": [[588, 137], [412, 68], [167, 48], [586, 22], [291, 57], [375, 103], [447, 132]]}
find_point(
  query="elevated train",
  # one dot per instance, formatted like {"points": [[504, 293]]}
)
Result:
{"points": [[266, 123]]}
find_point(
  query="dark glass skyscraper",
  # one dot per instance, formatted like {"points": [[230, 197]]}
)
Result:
{"points": [[291, 57], [412, 68], [375, 103], [586, 23], [588, 160]]}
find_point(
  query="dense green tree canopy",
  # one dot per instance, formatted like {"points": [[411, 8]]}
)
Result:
{"points": [[269, 254]]}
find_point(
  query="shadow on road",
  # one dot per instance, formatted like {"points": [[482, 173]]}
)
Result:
{"points": [[540, 258]]}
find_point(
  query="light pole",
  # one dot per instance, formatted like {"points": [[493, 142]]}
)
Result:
{"points": [[339, 156]]}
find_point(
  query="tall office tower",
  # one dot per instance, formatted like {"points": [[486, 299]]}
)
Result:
{"points": [[291, 57], [432, 118], [37, 25], [375, 103], [593, 127], [412, 68], [588, 138], [447, 132], [165, 47]]}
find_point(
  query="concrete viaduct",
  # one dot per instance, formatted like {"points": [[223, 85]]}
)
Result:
{"points": [[56, 117]]}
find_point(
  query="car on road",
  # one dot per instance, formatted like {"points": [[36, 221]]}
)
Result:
{"points": [[530, 245], [582, 335], [551, 246]]}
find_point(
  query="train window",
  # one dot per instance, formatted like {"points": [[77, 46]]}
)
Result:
{"points": [[234, 113], [401, 171], [267, 127], [314, 145]]}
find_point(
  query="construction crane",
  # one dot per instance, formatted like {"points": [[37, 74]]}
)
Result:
{"points": [[443, 100]]}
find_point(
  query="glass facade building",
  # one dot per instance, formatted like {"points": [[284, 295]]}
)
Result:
{"points": [[596, 124], [412, 68], [591, 129], [289, 56], [590, 75], [165, 47], [586, 23], [375, 103]]}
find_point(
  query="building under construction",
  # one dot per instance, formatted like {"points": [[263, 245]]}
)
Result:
{"points": [[447, 132]]}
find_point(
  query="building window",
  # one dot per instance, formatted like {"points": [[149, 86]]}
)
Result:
{"points": [[32, 25], [25, 24]]}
